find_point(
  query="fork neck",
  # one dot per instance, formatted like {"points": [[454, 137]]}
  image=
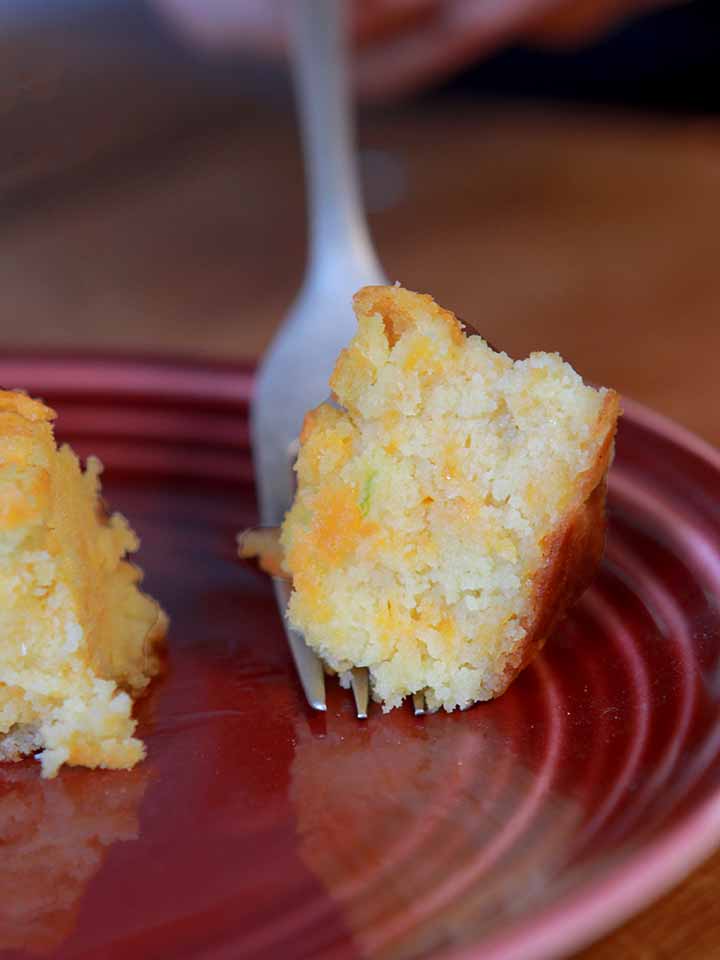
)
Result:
{"points": [[339, 239]]}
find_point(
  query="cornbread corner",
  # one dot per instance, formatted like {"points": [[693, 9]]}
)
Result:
{"points": [[449, 510], [78, 639]]}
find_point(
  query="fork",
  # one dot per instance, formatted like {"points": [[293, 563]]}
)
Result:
{"points": [[294, 374]]}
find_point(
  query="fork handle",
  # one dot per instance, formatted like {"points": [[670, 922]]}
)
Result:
{"points": [[339, 237]]}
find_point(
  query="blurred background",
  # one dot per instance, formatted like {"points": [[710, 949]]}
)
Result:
{"points": [[549, 170]]}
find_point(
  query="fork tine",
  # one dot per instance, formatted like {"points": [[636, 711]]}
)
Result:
{"points": [[419, 706], [360, 689], [308, 666]]}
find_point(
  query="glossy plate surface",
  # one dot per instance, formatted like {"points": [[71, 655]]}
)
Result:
{"points": [[519, 829]]}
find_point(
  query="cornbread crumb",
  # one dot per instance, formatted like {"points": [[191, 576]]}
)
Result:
{"points": [[449, 511], [78, 640]]}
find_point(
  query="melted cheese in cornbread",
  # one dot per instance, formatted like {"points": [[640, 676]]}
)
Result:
{"points": [[425, 505], [77, 637]]}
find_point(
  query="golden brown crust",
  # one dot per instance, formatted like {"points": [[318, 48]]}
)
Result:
{"points": [[572, 552], [398, 308], [310, 422], [14, 401]]}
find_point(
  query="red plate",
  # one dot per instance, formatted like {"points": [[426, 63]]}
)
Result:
{"points": [[519, 829]]}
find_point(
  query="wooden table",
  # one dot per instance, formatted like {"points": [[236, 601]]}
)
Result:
{"points": [[182, 230]]}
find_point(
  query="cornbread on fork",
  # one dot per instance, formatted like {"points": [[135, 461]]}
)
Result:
{"points": [[450, 509], [78, 639]]}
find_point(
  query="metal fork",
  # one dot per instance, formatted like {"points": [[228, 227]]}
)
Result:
{"points": [[295, 371]]}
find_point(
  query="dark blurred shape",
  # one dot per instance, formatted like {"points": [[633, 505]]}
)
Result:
{"points": [[669, 60], [91, 88], [88, 84]]}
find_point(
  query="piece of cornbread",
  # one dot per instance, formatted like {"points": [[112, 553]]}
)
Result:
{"points": [[78, 640], [450, 508]]}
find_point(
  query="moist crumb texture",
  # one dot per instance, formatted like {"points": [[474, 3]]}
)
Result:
{"points": [[78, 639], [451, 508]]}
